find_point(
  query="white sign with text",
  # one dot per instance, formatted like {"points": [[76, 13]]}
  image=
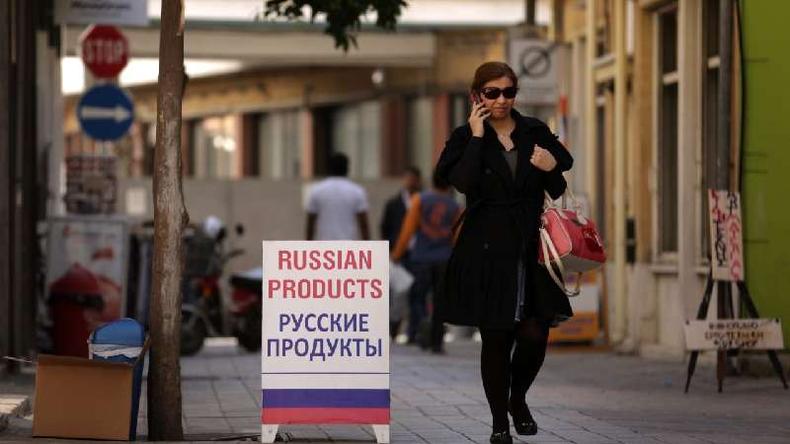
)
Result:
{"points": [[325, 334], [730, 334], [104, 12], [726, 235]]}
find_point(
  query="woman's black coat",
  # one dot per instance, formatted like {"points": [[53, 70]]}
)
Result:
{"points": [[501, 226]]}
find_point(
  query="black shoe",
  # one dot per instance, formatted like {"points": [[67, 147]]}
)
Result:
{"points": [[501, 438], [523, 421]]}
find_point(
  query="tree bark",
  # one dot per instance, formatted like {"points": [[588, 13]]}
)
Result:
{"points": [[170, 218]]}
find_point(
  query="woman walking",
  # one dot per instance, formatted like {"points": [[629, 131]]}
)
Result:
{"points": [[504, 163]]}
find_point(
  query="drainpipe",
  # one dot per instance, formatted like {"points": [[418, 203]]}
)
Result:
{"points": [[722, 178]]}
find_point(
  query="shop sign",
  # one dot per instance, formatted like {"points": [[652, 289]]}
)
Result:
{"points": [[105, 12], [325, 335], [734, 334]]}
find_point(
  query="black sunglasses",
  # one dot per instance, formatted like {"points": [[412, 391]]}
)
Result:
{"points": [[493, 93]]}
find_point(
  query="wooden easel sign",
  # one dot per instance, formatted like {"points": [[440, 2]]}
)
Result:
{"points": [[729, 330], [325, 335]]}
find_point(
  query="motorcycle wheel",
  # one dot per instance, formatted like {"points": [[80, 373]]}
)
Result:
{"points": [[249, 333], [193, 333]]}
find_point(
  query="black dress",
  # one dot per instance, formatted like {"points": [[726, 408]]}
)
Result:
{"points": [[500, 227]]}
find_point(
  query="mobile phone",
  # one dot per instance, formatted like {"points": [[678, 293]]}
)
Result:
{"points": [[474, 98]]}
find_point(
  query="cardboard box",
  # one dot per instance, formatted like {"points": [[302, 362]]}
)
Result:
{"points": [[82, 398]]}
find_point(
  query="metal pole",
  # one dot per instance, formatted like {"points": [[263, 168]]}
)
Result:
{"points": [[529, 12], [724, 136], [27, 201], [6, 178]]}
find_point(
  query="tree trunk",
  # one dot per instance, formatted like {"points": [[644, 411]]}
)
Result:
{"points": [[170, 218]]}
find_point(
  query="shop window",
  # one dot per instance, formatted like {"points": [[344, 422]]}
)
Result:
{"points": [[420, 134], [460, 109], [280, 141], [356, 132], [667, 143], [216, 148]]}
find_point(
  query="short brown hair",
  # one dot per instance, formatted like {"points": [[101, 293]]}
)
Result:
{"points": [[491, 71]]}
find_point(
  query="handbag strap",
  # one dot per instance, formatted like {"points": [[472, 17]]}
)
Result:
{"points": [[548, 202], [548, 247]]}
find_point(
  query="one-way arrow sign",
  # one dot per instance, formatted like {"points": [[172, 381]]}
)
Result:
{"points": [[105, 112], [119, 113]]}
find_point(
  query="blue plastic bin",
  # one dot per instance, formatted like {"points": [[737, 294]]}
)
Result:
{"points": [[122, 341]]}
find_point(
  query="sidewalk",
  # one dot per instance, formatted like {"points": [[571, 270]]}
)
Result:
{"points": [[15, 398], [578, 398]]}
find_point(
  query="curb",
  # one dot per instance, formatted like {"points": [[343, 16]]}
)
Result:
{"points": [[13, 406]]}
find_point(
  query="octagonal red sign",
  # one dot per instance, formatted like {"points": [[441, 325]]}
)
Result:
{"points": [[105, 50]]}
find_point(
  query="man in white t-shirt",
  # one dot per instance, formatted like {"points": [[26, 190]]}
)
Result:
{"points": [[337, 208]]}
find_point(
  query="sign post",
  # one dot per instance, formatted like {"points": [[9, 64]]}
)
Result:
{"points": [[325, 335], [725, 333]]}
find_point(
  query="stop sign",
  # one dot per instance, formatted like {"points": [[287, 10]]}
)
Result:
{"points": [[105, 51]]}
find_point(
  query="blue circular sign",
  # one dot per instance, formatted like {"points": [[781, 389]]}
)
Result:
{"points": [[105, 112]]}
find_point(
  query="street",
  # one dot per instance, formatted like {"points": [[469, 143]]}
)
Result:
{"points": [[579, 397]]}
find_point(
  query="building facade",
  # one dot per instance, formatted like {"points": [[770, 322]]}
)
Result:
{"points": [[30, 134], [646, 108]]}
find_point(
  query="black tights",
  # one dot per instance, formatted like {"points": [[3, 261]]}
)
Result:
{"points": [[507, 372]]}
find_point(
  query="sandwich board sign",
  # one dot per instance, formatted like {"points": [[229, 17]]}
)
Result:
{"points": [[734, 331], [325, 335]]}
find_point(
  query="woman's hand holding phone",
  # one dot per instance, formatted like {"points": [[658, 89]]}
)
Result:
{"points": [[477, 116]]}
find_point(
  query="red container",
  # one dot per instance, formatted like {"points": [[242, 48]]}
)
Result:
{"points": [[76, 304]]}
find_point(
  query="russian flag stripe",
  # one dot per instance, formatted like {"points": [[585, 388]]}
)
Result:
{"points": [[335, 398], [324, 416]]}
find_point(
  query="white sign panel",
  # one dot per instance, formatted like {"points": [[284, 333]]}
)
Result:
{"points": [[726, 235], [534, 62], [104, 12], [729, 334], [325, 333], [89, 253]]}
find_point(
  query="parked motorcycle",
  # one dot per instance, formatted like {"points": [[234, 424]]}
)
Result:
{"points": [[247, 300], [202, 309]]}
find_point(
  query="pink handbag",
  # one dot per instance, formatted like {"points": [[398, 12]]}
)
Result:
{"points": [[571, 243]]}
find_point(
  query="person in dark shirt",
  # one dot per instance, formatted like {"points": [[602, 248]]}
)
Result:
{"points": [[429, 222], [391, 221]]}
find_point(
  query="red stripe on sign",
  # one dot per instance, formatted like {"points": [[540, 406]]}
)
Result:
{"points": [[325, 416]]}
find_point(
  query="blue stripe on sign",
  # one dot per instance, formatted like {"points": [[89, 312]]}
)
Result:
{"points": [[349, 398]]}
